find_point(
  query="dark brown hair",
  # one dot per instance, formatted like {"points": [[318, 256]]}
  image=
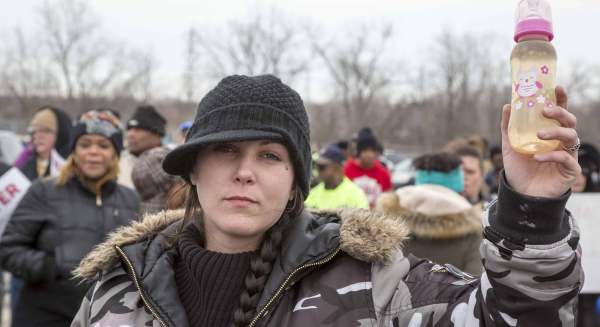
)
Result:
{"points": [[442, 162], [470, 151], [176, 197]]}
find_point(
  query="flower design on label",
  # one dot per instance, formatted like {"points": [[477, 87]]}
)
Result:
{"points": [[541, 99], [545, 70], [549, 104], [530, 103], [518, 105]]}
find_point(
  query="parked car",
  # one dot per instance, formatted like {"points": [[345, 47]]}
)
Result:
{"points": [[403, 173], [10, 147], [391, 159]]}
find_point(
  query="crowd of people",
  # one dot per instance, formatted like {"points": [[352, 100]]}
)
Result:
{"points": [[240, 223]]}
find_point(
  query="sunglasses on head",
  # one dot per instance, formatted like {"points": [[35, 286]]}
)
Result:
{"points": [[44, 130]]}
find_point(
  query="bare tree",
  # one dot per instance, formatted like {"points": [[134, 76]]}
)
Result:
{"points": [[268, 42], [191, 60], [470, 83], [24, 71], [454, 71], [582, 82], [67, 27], [87, 63], [136, 79], [358, 70]]}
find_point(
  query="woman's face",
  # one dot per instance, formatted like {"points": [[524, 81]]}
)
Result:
{"points": [[243, 189], [43, 140], [94, 155]]}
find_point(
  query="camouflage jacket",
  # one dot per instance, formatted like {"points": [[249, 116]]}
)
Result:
{"points": [[345, 268]]}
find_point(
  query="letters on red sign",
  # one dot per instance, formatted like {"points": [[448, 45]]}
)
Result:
{"points": [[8, 193]]}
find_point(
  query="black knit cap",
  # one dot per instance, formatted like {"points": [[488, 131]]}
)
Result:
{"points": [[147, 117], [242, 108], [366, 139], [367, 143]]}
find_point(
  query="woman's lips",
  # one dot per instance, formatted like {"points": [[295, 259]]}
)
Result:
{"points": [[240, 200]]}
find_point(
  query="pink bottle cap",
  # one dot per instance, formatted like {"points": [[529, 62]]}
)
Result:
{"points": [[533, 17]]}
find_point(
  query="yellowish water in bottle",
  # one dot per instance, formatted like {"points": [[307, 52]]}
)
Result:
{"points": [[533, 66]]}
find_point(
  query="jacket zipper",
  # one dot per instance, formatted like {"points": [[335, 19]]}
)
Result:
{"points": [[287, 280], [139, 287]]}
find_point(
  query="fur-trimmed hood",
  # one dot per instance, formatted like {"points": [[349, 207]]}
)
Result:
{"points": [[365, 235], [432, 211]]}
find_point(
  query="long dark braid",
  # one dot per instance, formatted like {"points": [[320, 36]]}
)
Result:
{"points": [[261, 264]]}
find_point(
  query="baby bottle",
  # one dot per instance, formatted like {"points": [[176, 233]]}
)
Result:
{"points": [[533, 70]]}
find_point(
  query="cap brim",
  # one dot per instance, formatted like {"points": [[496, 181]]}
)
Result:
{"points": [[177, 162]]}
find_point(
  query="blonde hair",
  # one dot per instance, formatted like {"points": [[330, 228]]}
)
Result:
{"points": [[70, 169]]}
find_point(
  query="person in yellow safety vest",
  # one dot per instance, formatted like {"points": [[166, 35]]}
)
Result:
{"points": [[335, 189]]}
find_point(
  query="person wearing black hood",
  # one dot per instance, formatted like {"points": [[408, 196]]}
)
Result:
{"points": [[50, 131], [60, 219]]}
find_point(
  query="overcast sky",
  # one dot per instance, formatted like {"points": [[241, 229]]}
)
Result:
{"points": [[159, 25]]}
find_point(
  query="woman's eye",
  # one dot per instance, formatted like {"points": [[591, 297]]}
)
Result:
{"points": [[271, 156], [225, 148], [105, 145]]}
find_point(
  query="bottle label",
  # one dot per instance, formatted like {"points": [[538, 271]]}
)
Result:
{"points": [[533, 87]]}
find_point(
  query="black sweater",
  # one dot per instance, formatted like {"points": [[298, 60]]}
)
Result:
{"points": [[209, 283]]}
